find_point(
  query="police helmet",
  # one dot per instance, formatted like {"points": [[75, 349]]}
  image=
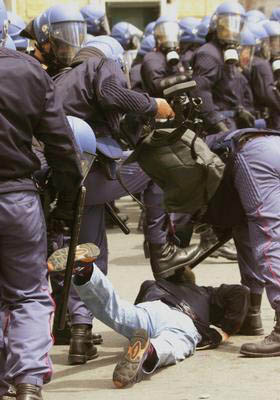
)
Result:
{"points": [[96, 19], [84, 135], [109, 46], [247, 48], [16, 25], [255, 16], [273, 30], [275, 15], [148, 44], [149, 29], [228, 21], [167, 31], [189, 29], [4, 24], [262, 39], [128, 35]]}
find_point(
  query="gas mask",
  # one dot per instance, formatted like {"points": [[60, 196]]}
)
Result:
{"points": [[167, 39], [230, 54]]}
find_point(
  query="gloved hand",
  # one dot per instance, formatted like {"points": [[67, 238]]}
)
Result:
{"points": [[164, 111], [245, 118]]}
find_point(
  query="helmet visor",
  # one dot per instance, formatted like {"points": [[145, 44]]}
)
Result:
{"points": [[167, 34], [71, 33], [275, 45], [66, 39], [229, 27], [246, 56]]}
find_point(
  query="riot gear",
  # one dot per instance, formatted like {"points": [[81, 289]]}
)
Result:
{"points": [[16, 25], [96, 19], [167, 39]]}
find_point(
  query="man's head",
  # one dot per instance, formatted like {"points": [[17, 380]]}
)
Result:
{"points": [[59, 33], [128, 35]]}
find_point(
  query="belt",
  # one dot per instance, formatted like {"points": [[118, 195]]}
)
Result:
{"points": [[248, 137]]}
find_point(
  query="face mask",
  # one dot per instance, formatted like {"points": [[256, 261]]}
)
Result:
{"points": [[231, 56], [172, 57]]}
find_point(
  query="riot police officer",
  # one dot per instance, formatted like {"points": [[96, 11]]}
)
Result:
{"points": [[59, 33], [30, 107], [226, 95]]}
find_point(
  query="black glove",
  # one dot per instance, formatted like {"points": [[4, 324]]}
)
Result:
{"points": [[245, 118]]}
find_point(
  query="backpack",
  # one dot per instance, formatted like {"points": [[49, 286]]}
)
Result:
{"points": [[182, 165]]}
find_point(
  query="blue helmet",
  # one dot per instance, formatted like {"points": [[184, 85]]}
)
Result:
{"points": [[228, 21], [262, 39], [166, 32], [149, 29], [16, 25], [3, 23], [247, 49], [109, 46], [273, 30], [189, 29], [203, 28], [128, 35], [96, 19], [255, 16], [275, 15], [84, 135], [148, 44]]}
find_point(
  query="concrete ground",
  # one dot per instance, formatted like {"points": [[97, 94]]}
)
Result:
{"points": [[211, 374]]}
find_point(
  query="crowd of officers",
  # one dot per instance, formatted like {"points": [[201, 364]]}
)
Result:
{"points": [[114, 80]]}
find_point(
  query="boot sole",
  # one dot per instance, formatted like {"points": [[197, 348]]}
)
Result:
{"points": [[87, 252], [169, 272], [127, 369], [80, 359], [258, 355]]}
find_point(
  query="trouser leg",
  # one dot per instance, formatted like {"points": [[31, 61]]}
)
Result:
{"points": [[160, 321], [257, 179], [24, 292]]}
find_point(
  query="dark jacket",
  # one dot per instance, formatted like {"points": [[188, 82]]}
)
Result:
{"points": [[30, 106], [96, 91], [154, 69], [222, 87], [225, 306]]}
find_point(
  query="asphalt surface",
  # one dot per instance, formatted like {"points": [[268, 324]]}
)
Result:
{"points": [[220, 374]]}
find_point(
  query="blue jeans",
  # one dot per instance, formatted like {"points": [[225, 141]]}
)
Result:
{"points": [[172, 333]]}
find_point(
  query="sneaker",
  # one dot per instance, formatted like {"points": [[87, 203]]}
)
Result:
{"points": [[86, 252], [129, 369], [268, 347]]}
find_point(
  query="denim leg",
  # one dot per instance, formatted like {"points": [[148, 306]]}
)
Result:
{"points": [[172, 333], [257, 179]]}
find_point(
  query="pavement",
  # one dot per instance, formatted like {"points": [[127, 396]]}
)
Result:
{"points": [[210, 374]]}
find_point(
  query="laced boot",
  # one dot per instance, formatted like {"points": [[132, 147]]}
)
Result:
{"points": [[269, 347], [252, 325], [82, 346], [167, 258], [26, 391]]}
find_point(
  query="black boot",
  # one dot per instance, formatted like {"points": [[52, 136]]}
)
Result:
{"points": [[82, 347], [269, 347], [26, 391], [167, 258], [252, 325]]}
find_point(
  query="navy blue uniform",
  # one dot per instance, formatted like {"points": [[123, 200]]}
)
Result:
{"points": [[29, 106], [264, 90], [222, 87], [96, 92], [154, 69]]}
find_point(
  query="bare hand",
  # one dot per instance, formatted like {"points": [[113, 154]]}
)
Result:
{"points": [[164, 111]]}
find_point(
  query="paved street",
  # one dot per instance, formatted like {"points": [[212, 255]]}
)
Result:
{"points": [[214, 374]]}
